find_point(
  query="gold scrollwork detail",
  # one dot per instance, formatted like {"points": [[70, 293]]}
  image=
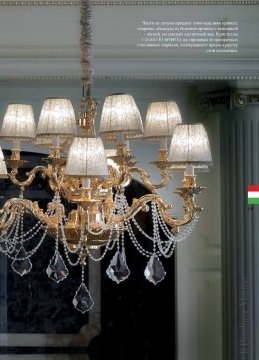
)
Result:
{"points": [[145, 178]]}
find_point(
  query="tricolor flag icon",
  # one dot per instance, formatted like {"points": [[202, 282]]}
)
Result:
{"points": [[253, 194]]}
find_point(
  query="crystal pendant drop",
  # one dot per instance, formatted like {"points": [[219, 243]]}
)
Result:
{"points": [[118, 269], [21, 267], [83, 301], [154, 271], [57, 269]]}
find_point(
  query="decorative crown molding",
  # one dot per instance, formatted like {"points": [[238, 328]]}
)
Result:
{"points": [[210, 102], [22, 3], [127, 77], [241, 99], [228, 99]]}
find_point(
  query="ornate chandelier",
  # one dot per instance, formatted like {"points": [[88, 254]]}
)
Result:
{"points": [[80, 171]]}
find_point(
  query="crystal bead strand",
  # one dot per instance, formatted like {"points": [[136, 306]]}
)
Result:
{"points": [[22, 227], [140, 229], [25, 239], [67, 250], [154, 271], [32, 252], [64, 240], [123, 252], [5, 236], [134, 221], [165, 230], [56, 239], [184, 233], [156, 236], [167, 245], [121, 211], [181, 236], [188, 230], [14, 240], [5, 233], [95, 232], [83, 274], [165, 251], [137, 245], [57, 270], [21, 261], [118, 270], [107, 248], [140, 249], [16, 233], [172, 242], [19, 225]]}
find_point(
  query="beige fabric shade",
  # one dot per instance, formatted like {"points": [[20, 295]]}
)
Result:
{"points": [[190, 145], [57, 117], [86, 157], [161, 120], [18, 123], [46, 142], [111, 138], [120, 114]]}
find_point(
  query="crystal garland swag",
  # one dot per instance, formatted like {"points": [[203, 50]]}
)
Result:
{"points": [[13, 244], [82, 172]]}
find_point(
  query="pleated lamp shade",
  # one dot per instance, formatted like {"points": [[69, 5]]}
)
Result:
{"points": [[120, 114], [57, 117], [18, 123], [86, 157], [46, 142], [190, 145], [161, 120], [112, 138]]}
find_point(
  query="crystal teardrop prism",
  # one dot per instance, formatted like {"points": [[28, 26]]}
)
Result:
{"points": [[82, 300], [21, 267], [154, 271], [57, 269], [118, 269]]}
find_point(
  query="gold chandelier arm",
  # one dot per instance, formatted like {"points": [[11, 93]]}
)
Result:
{"points": [[145, 178], [124, 179], [117, 178], [189, 206], [31, 176], [10, 208], [137, 206]]}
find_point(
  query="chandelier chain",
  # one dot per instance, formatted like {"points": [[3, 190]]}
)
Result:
{"points": [[86, 42]]}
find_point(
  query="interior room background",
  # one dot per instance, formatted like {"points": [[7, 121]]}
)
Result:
{"points": [[40, 58]]}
